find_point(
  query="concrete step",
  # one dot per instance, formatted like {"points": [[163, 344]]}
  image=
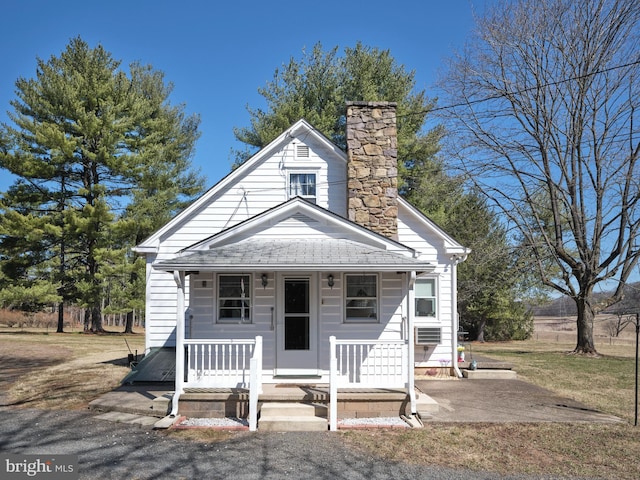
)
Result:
{"points": [[493, 374], [142, 421], [284, 409], [292, 417], [134, 400], [426, 405], [293, 424]]}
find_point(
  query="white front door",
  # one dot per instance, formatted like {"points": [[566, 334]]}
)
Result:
{"points": [[297, 335]]}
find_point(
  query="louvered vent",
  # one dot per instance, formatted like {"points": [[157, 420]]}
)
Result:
{"points": [[301, 217], [428, 335], [302, 151]]}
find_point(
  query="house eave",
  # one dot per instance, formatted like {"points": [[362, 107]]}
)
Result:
{"points": [[422, 268]]}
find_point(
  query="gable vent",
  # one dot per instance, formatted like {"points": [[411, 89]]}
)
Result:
{"points": [[302, 151], [428, 335], [301, 217]]}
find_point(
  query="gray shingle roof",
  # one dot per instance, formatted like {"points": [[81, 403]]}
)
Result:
{"points": [[303, 254]]}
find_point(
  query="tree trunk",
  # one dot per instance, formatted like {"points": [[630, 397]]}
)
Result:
{"points": [[96, 319], [60, 318], [129, 323], [584, 323], [481, 325]]}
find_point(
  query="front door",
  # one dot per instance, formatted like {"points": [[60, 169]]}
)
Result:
{"points": [[297, 352]]}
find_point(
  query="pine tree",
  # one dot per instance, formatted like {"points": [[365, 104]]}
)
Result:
{"points": [[87, 139]]}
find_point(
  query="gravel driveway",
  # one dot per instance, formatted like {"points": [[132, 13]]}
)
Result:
{"points": [[117, 451]]}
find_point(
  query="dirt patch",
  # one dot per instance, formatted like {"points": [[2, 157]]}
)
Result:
{"points": [[61, 371], [19, 358]]}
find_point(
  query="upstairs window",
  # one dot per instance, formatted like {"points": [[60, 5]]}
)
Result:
{"points": [[361, 298], [425, 297], [234, 299], [303, 185]]}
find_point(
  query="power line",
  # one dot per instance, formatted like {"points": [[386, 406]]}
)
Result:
{"points": [[518, 92]]}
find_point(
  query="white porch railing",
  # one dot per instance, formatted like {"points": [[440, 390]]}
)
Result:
{"points": [[226, 364], [368, 364], [218, 363]]}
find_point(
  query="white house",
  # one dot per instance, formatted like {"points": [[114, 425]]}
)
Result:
{"points": [[304, 265]]}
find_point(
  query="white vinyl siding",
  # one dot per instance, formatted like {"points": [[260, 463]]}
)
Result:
{"points": [[262, 187]]}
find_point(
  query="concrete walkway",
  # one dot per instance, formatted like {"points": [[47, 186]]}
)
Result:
{"points": [[500, 401], [458, 400]]}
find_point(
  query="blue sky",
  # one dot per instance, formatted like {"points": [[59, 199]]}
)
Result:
{"points": [[217, 54]]}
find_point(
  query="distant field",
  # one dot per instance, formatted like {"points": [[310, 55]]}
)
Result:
{"points": [[563, 330]]}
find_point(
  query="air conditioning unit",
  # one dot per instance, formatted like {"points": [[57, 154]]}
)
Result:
{"points": [[428, 335]]}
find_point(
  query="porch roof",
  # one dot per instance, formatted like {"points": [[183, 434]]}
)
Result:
{"points": [[295, 254]]}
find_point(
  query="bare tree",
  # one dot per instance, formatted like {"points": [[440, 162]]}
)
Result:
{"points": [[614, 327], [543, 112]]}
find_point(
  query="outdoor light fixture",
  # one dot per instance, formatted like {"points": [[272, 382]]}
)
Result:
{"points": [[330, 280], [265, 280]]}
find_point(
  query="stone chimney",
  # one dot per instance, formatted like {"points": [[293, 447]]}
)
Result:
{"points": [[372, 166]]}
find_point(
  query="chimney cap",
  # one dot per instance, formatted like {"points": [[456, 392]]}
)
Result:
{"points": [[371, 104]]}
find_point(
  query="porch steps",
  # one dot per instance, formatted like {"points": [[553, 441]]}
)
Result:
{"points": [[292, 417]]}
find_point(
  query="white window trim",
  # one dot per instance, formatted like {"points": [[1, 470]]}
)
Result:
{"points": [[306, 171], [436, 298], [250, 291], [346, 299]]}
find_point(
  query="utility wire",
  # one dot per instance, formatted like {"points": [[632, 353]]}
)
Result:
{"points": [[517, 92]]}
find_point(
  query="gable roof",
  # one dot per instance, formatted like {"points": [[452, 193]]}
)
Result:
{"points": [[300, 128], [352, 248], [292, 208]]}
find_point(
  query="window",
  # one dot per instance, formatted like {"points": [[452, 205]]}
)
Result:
{"points": [[361, 298], [234, 298], [425, 297], [303, 185]]}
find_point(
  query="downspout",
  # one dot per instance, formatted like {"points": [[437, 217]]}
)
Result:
{"points": [[455, 260], [178, 277]]}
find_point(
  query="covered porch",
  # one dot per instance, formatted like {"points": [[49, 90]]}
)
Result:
{"points": [[329, 315], [367, 378]]}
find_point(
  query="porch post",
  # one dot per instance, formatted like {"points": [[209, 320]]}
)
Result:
{"points": [[178, 277], [333, 385], [411, 360], [255, 384]]}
